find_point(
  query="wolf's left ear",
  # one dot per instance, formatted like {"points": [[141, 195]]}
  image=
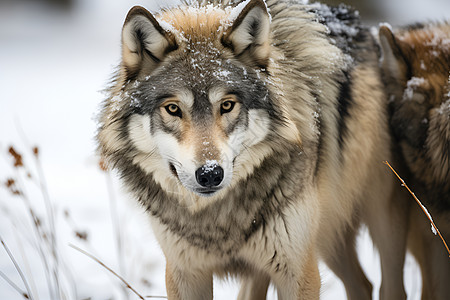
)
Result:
{"points": [[393, 60], [144, 42], [249, 35]]}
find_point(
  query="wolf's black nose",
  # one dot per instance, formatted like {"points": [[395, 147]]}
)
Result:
{"points": [[209, 176]]}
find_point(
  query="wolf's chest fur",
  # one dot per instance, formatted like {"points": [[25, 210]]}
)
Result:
{"points": [[224, 226]]}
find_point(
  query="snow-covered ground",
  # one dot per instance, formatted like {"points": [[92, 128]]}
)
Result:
{"points": [[53, 66]]}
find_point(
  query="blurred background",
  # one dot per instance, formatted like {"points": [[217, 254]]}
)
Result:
{"points": [[56, 57]]}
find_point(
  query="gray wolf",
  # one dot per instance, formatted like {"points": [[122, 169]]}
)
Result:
{"points": [[253, 133], [416, 67]]}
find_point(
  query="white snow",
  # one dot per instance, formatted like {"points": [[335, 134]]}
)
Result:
{"points": [[210, 165], [340, 28], [336, 26], [386, 24], [433, 230], [222, 73], [440, 40], [448, 90], [422, 65], [166, 25], [411, 86], [427, 213], [234, 13], [116, 102]]}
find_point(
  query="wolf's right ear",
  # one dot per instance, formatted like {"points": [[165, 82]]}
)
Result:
{"points": [[393, 60], [144, 42]]}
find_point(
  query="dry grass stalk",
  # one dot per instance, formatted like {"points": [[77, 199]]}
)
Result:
{"points": [[14, 286], [115, 219], [27, 295], [51, 218], [114, 273], [109, 269], [433, 225], [46, 241], [45, 237], [40, 233]]}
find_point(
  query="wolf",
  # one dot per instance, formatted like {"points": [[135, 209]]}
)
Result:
{"points": [[253, 133], [416, 68]]}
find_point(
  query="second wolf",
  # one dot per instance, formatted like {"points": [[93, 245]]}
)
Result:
{"points": [[416, 65]]}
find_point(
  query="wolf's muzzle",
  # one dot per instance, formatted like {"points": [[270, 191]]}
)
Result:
{"points": [[209, 176]]}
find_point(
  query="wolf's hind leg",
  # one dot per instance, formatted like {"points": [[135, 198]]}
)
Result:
{"points": [[345, 264], [430, 253], [387, 220], [254, 287]]}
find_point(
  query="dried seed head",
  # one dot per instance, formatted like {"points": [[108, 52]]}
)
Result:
{"points": [[17, 157], [10, 182], [102, 165], [82, 235], [37, 222], [11, 186], [36, 151], [146, 282], [16, 192]]}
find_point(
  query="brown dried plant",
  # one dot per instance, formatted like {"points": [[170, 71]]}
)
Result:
{"points": [[434, 227]]}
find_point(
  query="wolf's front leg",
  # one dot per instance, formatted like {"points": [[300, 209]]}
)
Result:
{"points": [[343, 261], [254, 287], [188, 284], [303, 285]]}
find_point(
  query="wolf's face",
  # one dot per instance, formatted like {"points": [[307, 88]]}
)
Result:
{"points": [[195, 93], [199, 126]]}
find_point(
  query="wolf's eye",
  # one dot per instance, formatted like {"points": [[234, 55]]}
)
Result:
{"points": [[174, 110], [226, 107]]}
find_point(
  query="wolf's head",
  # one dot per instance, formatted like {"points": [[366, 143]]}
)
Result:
{"points": [[416, 64], [193, 101]]}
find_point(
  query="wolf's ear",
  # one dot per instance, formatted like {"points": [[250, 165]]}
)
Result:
{"points": [[393, 60], [249, 35], [144, 42]]}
